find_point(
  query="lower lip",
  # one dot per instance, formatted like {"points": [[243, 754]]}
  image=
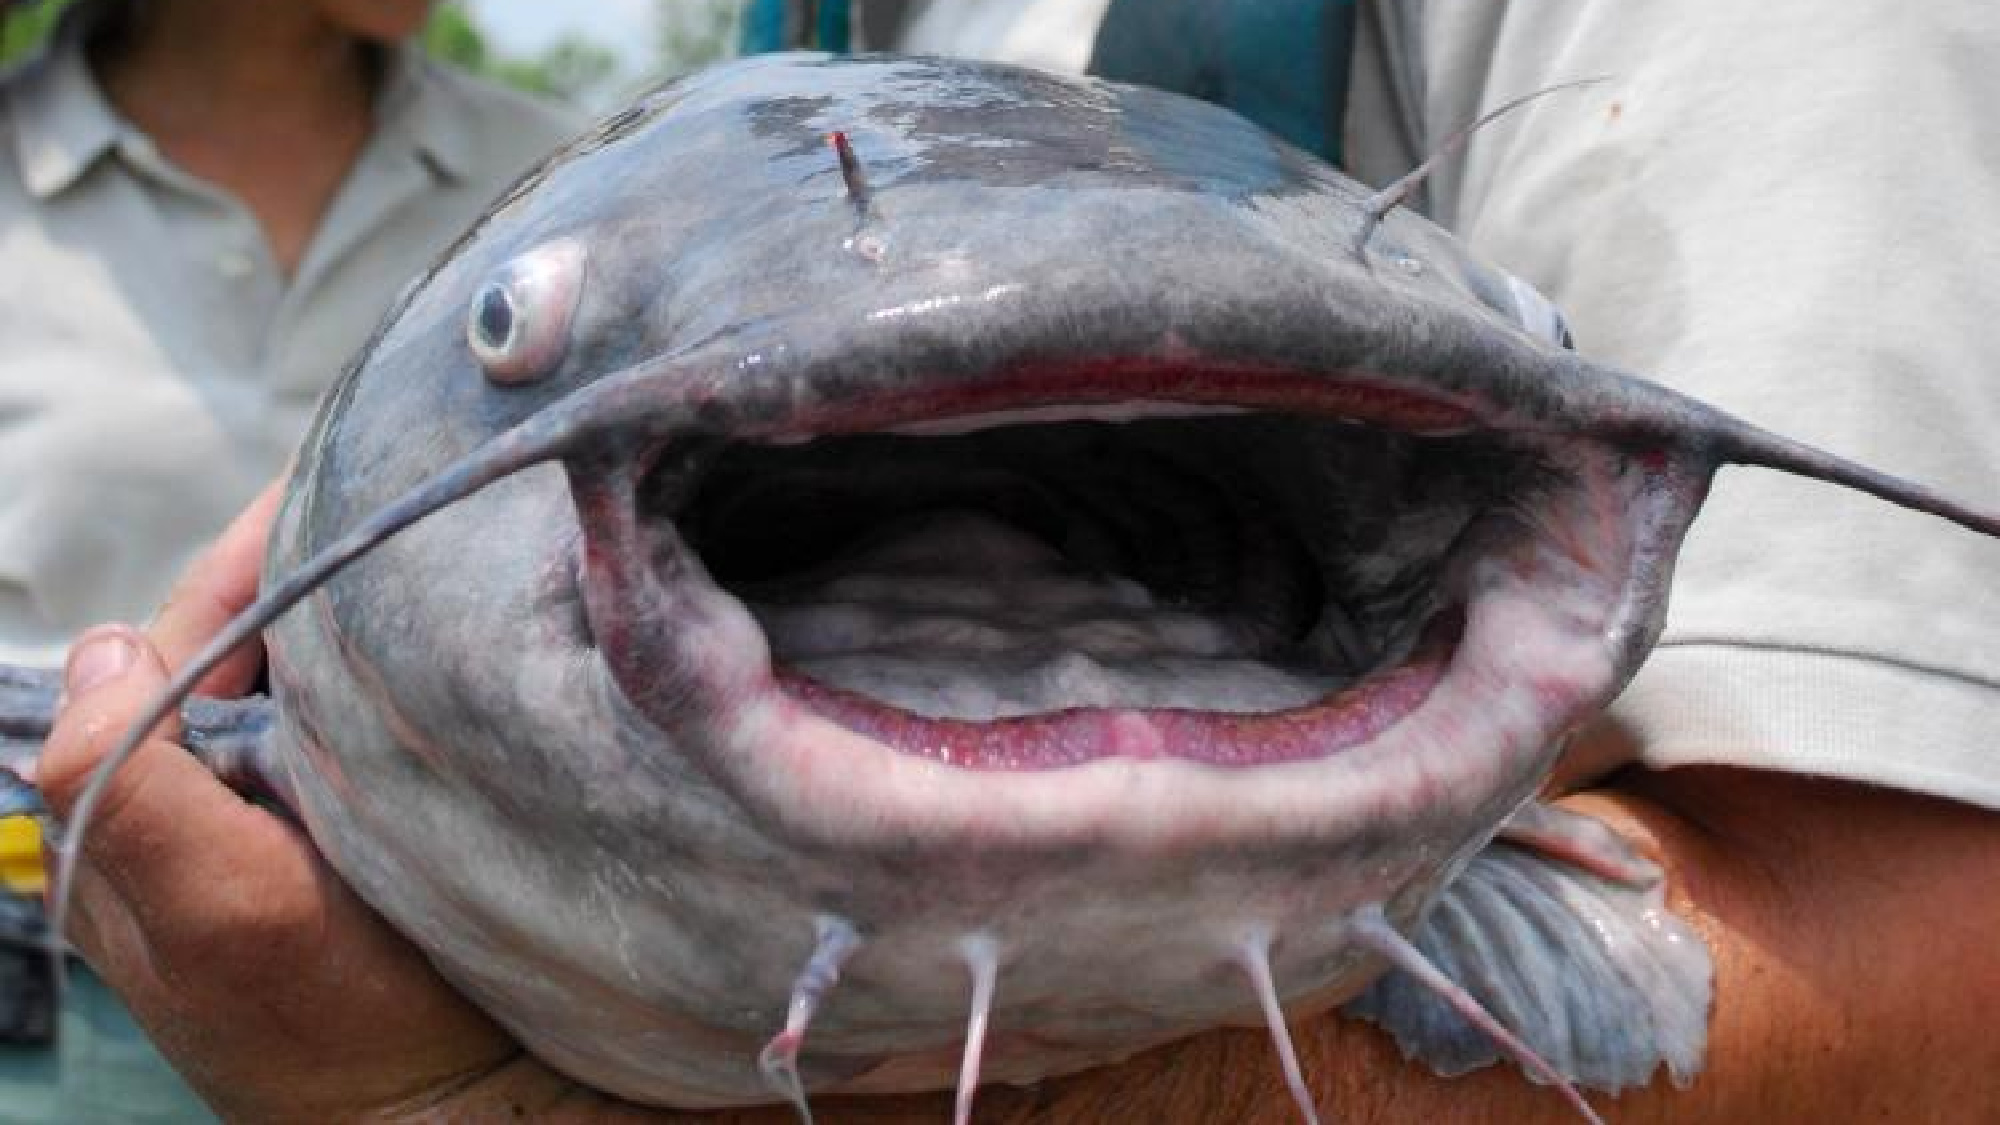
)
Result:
{"points": [[1061, 739]]}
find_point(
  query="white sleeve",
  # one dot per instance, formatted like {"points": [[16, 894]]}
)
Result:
{"points": [[1792, 210]]}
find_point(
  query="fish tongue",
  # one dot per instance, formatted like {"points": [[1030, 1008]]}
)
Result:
{"points": [[962, 615]]}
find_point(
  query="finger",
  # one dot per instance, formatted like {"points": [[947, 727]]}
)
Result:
{"points": [[165, 824], [218, 586]]}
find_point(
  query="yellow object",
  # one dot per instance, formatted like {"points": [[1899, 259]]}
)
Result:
{"points": [[21, 855]]}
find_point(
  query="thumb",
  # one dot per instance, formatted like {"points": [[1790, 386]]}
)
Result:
{"points": [[112, 675], [169, 844], [113, 671]]}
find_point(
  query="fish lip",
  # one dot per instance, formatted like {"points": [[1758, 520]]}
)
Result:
{"points": [[767, 741]]}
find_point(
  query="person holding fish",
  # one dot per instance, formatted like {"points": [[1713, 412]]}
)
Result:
{"points": [[204, 208], [1808, 760]]}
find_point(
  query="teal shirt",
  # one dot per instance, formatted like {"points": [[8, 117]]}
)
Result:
{"points": [[1280, 63], [777, 25]]}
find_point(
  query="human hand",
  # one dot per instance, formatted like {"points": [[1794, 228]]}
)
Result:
{"points": [[275, 991], [259, 974]]}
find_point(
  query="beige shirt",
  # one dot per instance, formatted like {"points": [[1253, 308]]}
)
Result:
{"points": [[1787, 208], [157, 368], [1790, 209]]}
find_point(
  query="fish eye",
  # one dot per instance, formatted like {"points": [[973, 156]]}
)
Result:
{"points": [[519, 321], [1538, 316]]}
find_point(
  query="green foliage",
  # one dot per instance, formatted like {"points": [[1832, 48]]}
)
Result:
{"points": [[688, 36], [571, 68], [24, 26], [452, 36]]}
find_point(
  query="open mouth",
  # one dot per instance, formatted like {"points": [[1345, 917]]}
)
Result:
{"points": [[1027, 586], [996, 598]]}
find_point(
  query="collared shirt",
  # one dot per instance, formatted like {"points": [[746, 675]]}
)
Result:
{"points": [[157, 366]]}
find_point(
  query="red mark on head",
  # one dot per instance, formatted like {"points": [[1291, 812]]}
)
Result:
{"points": [[850, 171]]}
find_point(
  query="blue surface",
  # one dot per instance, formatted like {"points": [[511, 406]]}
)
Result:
{"points": [[102, 1070]]}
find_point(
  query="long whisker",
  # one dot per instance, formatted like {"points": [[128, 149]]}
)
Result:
{"points": [[1372, 930], [531, 442], [1742, 443], [836, 941], [982, 959], [1378, 206], [1255, 956]]}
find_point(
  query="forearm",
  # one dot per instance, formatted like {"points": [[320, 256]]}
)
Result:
{"points": [[1852, 929]]}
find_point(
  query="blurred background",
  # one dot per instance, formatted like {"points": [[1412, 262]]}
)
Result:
{"points": [[589, 54]]}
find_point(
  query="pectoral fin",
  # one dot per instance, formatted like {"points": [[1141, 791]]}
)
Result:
{"points": [[1560, 929]]}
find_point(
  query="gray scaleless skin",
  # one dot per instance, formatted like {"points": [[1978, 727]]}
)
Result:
{"points": [[1031, 343]]}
